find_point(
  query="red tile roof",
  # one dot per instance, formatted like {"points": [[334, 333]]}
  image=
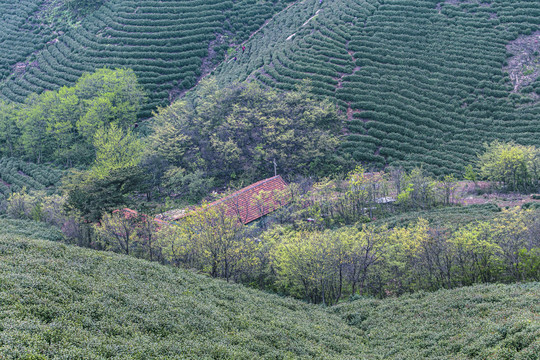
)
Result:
{"points": [[253, 201]]}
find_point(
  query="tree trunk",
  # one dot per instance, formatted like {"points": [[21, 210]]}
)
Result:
{"points": [[340, 283]]}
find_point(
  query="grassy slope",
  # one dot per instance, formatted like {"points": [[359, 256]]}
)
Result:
{"points": [[66, 302], [60, 301], [422, 81], [16, 174], [482, 322], [444, 217], [165, 42]]}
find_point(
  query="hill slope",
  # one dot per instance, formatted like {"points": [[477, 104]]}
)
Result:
{"points": [[16, 174], [65, 302], [481, 322], [167, 43], [60, 301], [421, 81]]}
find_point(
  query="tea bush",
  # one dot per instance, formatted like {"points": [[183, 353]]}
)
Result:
{"points": [[422, 82], [60, 301], [16, 174], [479, 322], [165, 42]]}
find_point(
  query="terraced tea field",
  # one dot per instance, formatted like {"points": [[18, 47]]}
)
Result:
{"points": [[164, 42], [422, 82], [16, 174]]}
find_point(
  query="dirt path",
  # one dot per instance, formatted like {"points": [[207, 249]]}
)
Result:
{"points": [[467, 193]]}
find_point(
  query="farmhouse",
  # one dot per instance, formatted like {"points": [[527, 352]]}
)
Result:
{"points": [[247, 205], [252, 202]]}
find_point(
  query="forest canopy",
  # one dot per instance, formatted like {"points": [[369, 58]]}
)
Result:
{"points": [[242, 131], [60, 126]]}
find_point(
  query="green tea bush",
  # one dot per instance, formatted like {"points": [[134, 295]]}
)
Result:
{"points": [[426, 74], [29, 229], [16, 174], [61, 301], [166, 37], [479, 322]]}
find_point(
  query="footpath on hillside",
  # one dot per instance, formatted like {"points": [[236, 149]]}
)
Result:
{"points": [[469, 193]]}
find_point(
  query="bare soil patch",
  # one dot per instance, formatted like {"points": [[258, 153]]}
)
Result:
{"points": [[524, 67], [467, 193]]}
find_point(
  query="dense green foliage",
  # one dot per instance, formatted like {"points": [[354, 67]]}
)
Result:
{"points": [[304, 250], [91, 197], [514, 167], [63, 126], [16, 174], [482, 322], [114, 175], [167, 43], [245, 132], [60, 301], [323, 266], [422, 81]]}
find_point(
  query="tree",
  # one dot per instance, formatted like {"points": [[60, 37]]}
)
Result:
{"points": [[218, 237], [404, 249], [365, 249], [118, 232], [91, 197], [177, 246], [36, 142], [9, 131], [190, 185], [304, 261], [114, 175], [514, 166], [470, 174], [60, 125], [510, 231], [118, 87], [239, 131], [107, 97], [477, 253], [448, 186], [171, 138], [418, 190], [115, 149]]}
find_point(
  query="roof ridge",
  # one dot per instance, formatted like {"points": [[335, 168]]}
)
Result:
{"points": [[241, 191], [275, 183]]}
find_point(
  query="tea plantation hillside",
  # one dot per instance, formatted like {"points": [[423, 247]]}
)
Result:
{"points": [[453, 216], [481, 322], [165, 42], [16, 174], [62, 302], [422, 81], [30, 25]]}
